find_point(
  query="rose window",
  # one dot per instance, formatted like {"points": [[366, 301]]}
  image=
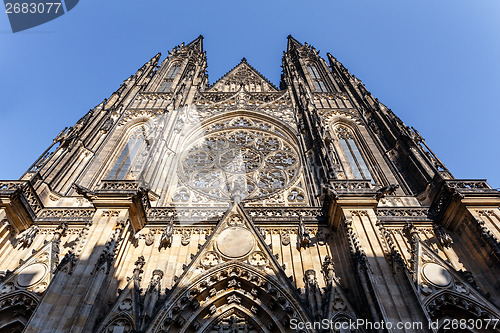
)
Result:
{"points": [[248, 163]]}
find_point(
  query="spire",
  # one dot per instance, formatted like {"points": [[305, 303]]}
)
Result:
{"points": [[292, 43], [197, 44]]}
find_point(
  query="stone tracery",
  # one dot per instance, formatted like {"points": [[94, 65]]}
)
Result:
{"points": [[238, 159]]}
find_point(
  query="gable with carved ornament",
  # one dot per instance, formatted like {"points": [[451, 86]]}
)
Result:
{"points": [[275, 104]]}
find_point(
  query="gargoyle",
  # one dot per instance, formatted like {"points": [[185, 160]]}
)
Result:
{"points": [[85, 192], [389, 189]]}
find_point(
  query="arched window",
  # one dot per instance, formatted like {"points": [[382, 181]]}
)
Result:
{"points": [[131, 160], [353, 156], [169, 79], [316, 77]]}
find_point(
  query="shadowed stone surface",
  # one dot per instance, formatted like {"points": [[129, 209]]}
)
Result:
{"points": [[437, 275]]}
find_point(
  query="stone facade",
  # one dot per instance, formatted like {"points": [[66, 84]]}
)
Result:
{"points": [[179, 206]]}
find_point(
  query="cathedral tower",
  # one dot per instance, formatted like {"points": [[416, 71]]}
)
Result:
{"points": [[176, 205]]}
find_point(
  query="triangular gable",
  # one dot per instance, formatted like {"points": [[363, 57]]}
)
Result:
{"points": [[35, 273], [434, 277], [234, 238], [234, 268], [243, 75]]}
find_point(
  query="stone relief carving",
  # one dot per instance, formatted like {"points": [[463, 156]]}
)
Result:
{"points": [[185, 238], [210, 259], [149, 238], [28, 236]]}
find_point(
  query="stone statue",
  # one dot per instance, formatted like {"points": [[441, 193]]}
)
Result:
{"points": [[166, 237], [303, 236]]}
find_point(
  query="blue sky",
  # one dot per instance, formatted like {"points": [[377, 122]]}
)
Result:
{"points": [[436, 64]]}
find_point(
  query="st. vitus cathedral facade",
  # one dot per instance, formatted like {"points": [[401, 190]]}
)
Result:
{"points": [[176, 205]]}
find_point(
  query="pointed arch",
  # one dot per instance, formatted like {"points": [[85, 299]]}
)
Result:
{"points": [[234, 284], [250, 323], [316, 77], [122, 323], [454, 305], [170, 76], [353, 157], [133, 151], [16, 309]]}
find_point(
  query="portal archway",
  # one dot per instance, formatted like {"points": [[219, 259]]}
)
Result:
{"points": [[260, 300]]}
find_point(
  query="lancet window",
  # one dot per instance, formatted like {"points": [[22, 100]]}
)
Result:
{"points": [[169, 79], [319, 84], [353, 154], [131, 160]]}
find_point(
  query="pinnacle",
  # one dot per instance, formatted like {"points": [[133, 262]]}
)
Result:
{"points": [[292, 42], [197, 43]]}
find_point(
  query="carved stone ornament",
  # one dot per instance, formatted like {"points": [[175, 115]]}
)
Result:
{"points": [[233, 299], [303, 237], [329, 269], [125, 305], [239, 163], [31, 275], [258, 258], [167, 235], [285, 239], [210, 259], [235, 220], [185, 238], [149, 238], [28, 236]]}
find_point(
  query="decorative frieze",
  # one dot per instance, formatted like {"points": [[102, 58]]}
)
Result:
{"points": [[468, 184], [186, 213], [284, 213], [119, 185], [66, 213]]}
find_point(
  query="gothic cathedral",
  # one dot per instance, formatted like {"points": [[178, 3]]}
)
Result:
{"points": [[176, 205]]}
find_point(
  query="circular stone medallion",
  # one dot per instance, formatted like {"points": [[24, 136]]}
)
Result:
{"points": [[235, 242], [437, 275], [31, 275]]}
